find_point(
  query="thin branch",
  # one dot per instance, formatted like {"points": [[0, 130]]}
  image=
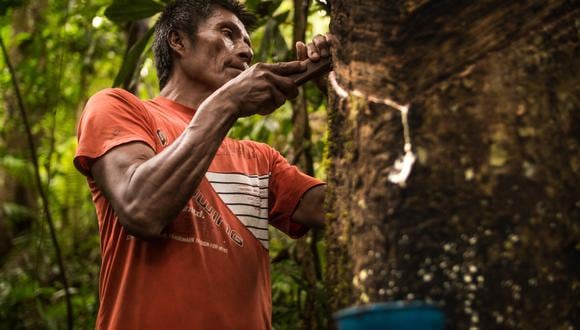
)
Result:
{"points": [[41, 192]]}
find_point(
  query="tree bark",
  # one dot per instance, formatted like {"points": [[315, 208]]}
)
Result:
{"points": [[486, 224]]}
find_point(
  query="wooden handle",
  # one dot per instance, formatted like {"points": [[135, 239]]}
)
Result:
{"points": [[313, 70]]}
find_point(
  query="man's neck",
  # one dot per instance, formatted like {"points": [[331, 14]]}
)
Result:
{"points": [[182, 92]]}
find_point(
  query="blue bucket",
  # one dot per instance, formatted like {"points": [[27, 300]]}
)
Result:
{"points": [[396, 315]]}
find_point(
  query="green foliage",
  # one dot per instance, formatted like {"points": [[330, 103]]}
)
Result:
{"points": [[59, 57], [64, 52], [273, 44]]}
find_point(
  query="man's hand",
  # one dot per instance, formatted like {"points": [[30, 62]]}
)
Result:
{"points": [[315, 50], [261, 89]]}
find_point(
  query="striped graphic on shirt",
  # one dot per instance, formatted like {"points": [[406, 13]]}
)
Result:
{"points": [[247, 197]]}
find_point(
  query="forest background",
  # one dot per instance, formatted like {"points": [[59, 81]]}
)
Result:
{"points": [[478, 100], [56, 54]]}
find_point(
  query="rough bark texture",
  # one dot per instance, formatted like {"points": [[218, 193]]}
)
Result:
{"points": [[487, 224]]}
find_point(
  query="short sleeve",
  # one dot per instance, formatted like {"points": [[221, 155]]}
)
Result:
{"points": [[111, 117], [287, 186]]}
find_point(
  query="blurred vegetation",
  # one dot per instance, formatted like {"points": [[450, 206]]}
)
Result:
{"points": [[63, 51]]}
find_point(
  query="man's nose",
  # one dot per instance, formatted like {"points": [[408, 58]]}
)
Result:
{"points": [[244, 52]]}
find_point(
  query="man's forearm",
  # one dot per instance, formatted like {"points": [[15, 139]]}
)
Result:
{"points": [[158, 188], [310, 209], [147, 191]]}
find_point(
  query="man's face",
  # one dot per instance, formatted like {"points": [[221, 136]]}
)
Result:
{"points": [[220, 52]]}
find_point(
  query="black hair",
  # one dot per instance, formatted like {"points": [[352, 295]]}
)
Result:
{"points": [[186, 15]]}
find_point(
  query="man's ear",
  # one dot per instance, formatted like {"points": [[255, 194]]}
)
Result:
{"points": [[177, 41]]}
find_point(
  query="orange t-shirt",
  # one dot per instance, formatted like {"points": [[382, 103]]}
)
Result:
{"points": [[211, 269]]}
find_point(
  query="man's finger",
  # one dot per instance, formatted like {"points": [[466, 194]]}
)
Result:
{"points": [[288, 87], [331, 39], [313, 53], [284, 84], [301, 51], [286, 68], [321, 45], [278, 97]]}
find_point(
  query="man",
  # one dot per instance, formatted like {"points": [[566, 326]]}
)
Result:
{"points": [[184, 211]]}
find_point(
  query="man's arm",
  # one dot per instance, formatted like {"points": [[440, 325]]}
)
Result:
{"points": [[147, 191], [310, 209]]}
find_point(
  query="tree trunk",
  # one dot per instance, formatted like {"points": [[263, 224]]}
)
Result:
{"points": [[487, 222]]}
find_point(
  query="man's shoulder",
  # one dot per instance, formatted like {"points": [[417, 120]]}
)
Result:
{"points": [[114, 101], [112, 94], [114, 106]]}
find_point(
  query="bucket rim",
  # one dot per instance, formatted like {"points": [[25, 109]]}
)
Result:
{"points": [[394, 306]]}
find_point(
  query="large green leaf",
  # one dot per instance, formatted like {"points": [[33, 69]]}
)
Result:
{"points": [[124, 10], [131, 59]]}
